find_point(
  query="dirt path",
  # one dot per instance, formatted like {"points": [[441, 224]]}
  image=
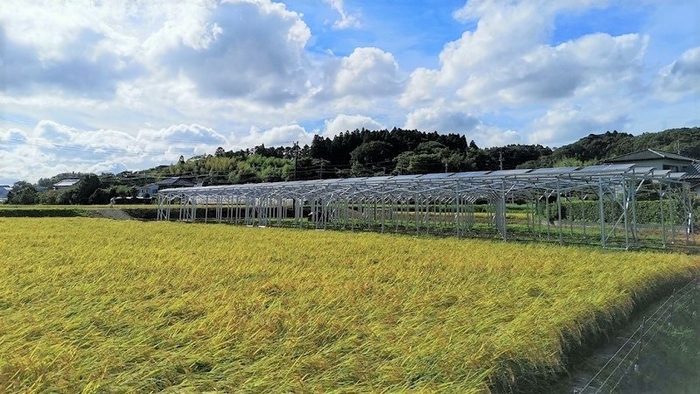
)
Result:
{"points": [[111, 213]]}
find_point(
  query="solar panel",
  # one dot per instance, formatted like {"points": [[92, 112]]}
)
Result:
{"points": [[470, 174], [440, 175], [404, 177], [606, 168], [553, 171], [378, 179], [642, 170], [676, 175], [661, 173], [502, 173], [351, 180]]}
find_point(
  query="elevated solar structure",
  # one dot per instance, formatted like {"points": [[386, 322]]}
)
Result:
{"points": [[462, 204]]}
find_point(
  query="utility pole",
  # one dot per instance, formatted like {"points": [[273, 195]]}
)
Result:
{"points": [[500, 159], [296, 158]]}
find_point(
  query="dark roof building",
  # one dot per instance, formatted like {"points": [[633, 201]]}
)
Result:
{"points": [[152, 188], [693, 173], [657, 159], [175, 182]]}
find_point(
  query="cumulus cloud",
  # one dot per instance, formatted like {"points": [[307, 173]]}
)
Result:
{"points": [[50, 148], [368, 72], [680, 78], [285, 135], [565, 123], [252, 49], [591, 65], [343, 123], [11, 137], [51, 28], [507, 61], [436, 118], [446, 120], [83, 70], [182, 139]]}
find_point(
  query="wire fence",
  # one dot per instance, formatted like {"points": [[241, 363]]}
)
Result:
{"points": [[626, 359]]}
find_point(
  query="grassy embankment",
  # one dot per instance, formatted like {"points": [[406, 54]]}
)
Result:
{"points": [[137, 211], [96, 305]]}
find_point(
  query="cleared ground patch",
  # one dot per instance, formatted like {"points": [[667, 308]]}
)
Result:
{"points": [[111, 306]]}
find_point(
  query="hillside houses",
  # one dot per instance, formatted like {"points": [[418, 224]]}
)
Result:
{"points": [[152, 188]]}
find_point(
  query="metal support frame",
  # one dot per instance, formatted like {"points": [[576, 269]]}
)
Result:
{"points": [[446, 203]]}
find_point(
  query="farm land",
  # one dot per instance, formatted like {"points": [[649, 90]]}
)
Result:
{"points": [[95, 305]]}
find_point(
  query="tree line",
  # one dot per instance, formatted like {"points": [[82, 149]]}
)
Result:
{"points": [[357, 153]]}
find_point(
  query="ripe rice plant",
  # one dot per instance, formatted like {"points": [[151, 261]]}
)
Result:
{"points": [[95, 305]]}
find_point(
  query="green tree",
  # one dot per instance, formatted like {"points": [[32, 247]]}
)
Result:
{"points": [[86, 187], [22, 193], [99, 196], [371, 157]]}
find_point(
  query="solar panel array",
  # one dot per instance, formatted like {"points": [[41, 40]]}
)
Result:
{"points": [[515, 183]]}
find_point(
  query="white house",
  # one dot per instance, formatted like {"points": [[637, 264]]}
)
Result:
{"points": [[664, 161], [65, 183]]}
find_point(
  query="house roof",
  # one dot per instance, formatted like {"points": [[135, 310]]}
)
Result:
{"points": [[175, 181], [693, 172], [68, 182], [648, 154]]}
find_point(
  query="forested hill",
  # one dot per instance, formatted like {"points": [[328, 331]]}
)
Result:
{"points": [[356, 153], [596, 147], [398, 151], [353, 154], [384, 152]]}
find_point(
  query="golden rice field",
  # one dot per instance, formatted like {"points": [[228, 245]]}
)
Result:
{"points": [[93, 305]]}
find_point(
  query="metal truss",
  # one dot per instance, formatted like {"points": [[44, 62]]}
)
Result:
{"points": [[542, 203]]}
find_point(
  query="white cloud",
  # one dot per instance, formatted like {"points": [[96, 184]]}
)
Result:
{"points": [[50, 148], [181, 139], [346, 21], [445, 120], [680, 78], [565, 123], [343, 123], [584, 85], [368, 72], [592, 65], [252, 49], [437, 118], [507, 61], [285, 135]]}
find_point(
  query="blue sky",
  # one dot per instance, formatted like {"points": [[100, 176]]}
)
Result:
{"points": [[108, 86]]}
